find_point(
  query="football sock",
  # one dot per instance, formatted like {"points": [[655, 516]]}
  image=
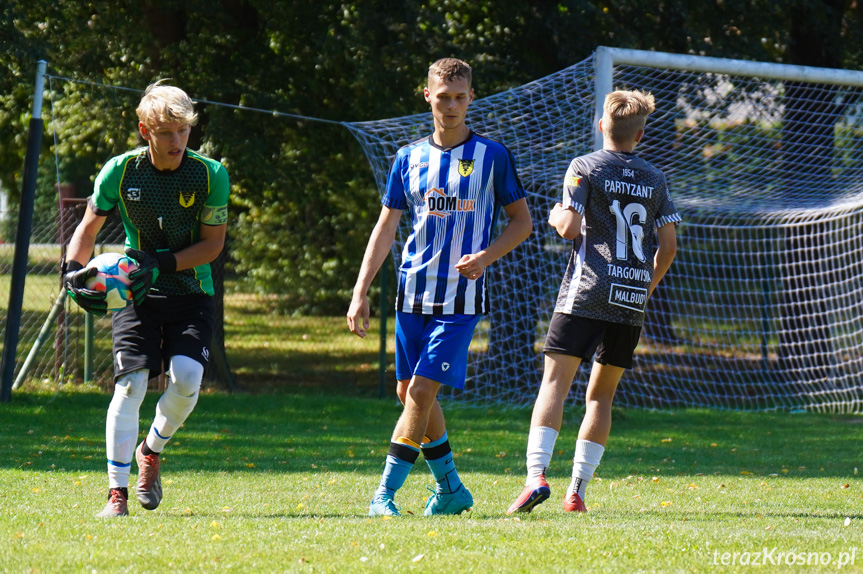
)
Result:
{"points": [[584, 463], [579, 486], [438, 455], [147, 451], [171, 411], [400, 461], [177, 402], [121, 426], [124, 490], [540, 445], [406, 441]]}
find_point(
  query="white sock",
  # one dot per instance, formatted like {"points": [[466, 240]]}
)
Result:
{"points": [[584, 463], [121, 426], [540, 445], [178, 401]]}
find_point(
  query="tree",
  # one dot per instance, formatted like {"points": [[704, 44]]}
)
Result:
{"points": [[303, 199]]}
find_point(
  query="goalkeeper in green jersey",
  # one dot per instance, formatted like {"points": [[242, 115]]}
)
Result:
{"points": [[173, 204]]}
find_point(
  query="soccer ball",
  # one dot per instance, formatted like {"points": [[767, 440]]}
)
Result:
{"points": [[112, 278]]}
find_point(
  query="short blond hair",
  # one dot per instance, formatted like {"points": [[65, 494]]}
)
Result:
{"points": [[625, 114], [448, 69], [164, 103]]}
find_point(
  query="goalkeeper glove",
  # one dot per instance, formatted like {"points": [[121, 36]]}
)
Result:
{"points": [[148, 271], [75, 278]]}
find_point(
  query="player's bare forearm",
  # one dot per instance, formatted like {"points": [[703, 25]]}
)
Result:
{"points": [[83, 240], [375, 255], [565, 220], [517, 229], [380, 242], [205, 250], [665, 253], [80, 247]]}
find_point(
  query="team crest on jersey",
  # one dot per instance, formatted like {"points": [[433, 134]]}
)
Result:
{"points": [[573, 180], [187, 202], [465, 167], [133, 194]]}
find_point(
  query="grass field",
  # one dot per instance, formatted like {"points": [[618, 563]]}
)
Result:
{"points": [[281, 482]]}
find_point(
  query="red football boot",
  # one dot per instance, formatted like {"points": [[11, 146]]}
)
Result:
{"points": [[532, 495], [573, 503]]}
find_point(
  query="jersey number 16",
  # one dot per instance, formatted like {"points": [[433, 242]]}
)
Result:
{"points": [[630, 231]]}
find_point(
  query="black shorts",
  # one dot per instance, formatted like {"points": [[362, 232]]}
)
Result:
{"points": [[613, 343], [146, 336]]}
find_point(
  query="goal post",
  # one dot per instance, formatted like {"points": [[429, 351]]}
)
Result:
{"points": [[607, 58], [762, 307]]}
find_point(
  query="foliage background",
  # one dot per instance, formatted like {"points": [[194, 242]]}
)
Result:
{"points": [[303, 199]]}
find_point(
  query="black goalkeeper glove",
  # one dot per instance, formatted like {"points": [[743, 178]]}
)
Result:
{"points": [[148, 270], [75, 278]]}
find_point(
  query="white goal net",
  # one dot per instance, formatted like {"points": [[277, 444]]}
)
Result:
{"points": [[762, 307]]}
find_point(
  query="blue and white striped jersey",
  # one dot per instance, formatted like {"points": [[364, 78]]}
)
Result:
{"points": [[453, 196]]}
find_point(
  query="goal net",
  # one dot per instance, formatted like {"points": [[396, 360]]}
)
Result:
{"points": [[762, 307]]}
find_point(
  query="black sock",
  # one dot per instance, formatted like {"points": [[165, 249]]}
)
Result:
{"points": [[146, 450], [124, 490]]}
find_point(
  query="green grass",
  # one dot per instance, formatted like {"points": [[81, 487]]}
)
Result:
{"points": [[280, 482], [267, 351]]}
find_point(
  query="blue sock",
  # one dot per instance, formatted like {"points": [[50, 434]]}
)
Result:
{"points": [[438, 455], [400, 461]]}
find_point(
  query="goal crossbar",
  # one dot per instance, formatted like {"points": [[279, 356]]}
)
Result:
{"points": [[606, 58]]}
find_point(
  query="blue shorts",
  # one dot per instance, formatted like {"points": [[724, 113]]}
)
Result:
{"points": [[434, 346]]}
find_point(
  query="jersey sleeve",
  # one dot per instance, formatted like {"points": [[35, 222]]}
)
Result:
{"points": [[507, 185], [575, 187], [667, 212], [215, 211], [106, 191], [394, 196]]}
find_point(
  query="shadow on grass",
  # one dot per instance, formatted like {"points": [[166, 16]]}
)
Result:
{"points": [[316, 432]]}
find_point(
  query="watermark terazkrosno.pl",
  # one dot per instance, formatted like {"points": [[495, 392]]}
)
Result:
{"points": [[773, 556]]}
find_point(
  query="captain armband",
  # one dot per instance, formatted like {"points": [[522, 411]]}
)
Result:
{"points": [[214, 215]]}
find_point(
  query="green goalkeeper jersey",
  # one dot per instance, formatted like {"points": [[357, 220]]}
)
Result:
{"points": [[163, 210]]}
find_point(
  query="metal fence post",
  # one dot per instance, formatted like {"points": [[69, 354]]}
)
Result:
{"points": [[22, 238], [382, 351]]}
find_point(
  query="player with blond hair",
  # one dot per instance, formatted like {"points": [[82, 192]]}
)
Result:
{"points": [[618, 213], [173, 203], [453, 183]]}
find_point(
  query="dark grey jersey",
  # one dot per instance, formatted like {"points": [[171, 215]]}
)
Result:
{"points": [[623, 200]]}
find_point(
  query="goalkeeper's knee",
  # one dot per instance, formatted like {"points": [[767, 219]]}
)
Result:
{"points": [[186, 375], [132, 387]]}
